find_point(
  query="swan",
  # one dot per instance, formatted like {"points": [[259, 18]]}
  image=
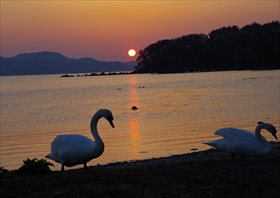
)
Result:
{"points": [[244, 143], [73, 149]]}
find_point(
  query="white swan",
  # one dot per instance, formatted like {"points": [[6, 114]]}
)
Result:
{"points": [[73, 149], [244, 143]]}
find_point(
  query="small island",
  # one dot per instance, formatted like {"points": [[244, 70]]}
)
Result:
{"points": [[96, 74]]}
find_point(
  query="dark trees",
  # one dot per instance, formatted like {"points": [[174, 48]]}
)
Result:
{"points": [[253, 46]]}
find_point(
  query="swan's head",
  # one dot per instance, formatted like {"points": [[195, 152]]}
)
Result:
{"points": [[107, 114], [270, 128]]}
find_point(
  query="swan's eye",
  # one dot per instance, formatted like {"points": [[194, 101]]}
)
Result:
{"points": [[110, 117]]}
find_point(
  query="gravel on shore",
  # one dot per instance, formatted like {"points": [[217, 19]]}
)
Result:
{"points": [[209, 173]]}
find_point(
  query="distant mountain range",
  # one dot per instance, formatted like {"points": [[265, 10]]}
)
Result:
{"points": [[56, 63]]}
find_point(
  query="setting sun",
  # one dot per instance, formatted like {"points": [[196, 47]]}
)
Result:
{"points": [[131, 52]]}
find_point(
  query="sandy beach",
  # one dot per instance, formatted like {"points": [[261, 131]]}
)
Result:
{"points": [[207, 173]]}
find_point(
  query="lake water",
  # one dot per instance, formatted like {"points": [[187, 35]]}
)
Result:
{"points": [[177, 112]]}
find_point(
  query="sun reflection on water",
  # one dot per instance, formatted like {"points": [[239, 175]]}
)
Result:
{"points": [[134, 118]]}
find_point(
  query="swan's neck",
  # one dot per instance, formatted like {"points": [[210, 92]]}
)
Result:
{"points": [[258, 133], [93, 127]]}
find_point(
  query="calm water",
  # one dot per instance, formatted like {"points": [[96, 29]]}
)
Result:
{"points": [[177, 112]]}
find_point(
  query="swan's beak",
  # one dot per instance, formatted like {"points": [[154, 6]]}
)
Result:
{"points": [[111, 123], [274, 135]]}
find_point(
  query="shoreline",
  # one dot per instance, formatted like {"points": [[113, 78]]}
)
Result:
{"points": [[198, 174], [66, 75], [116, 73]]}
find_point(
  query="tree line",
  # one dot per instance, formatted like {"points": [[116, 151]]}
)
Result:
{"points": [[253, 47]]}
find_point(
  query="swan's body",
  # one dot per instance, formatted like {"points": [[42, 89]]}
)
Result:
{"points": [[244, 143], [73, 149]]}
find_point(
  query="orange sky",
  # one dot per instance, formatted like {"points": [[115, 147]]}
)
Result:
{"points": [[105, 30]]}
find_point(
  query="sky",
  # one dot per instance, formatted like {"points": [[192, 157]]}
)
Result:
{"points": [[106, 30]]}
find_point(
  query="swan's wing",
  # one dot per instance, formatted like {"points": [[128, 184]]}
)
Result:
{"points": [[217, 143], [236, 135], [241, 142], [69, 140]]}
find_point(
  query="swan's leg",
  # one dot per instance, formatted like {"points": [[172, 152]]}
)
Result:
{"points": [[62, 167], [233, 155], [85, 166], [236, 156]]}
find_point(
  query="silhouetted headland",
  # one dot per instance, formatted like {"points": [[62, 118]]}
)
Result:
{"points": [[252, 47]]}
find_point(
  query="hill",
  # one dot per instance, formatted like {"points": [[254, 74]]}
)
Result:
{"points": [[56, 63], [254, 47]]}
